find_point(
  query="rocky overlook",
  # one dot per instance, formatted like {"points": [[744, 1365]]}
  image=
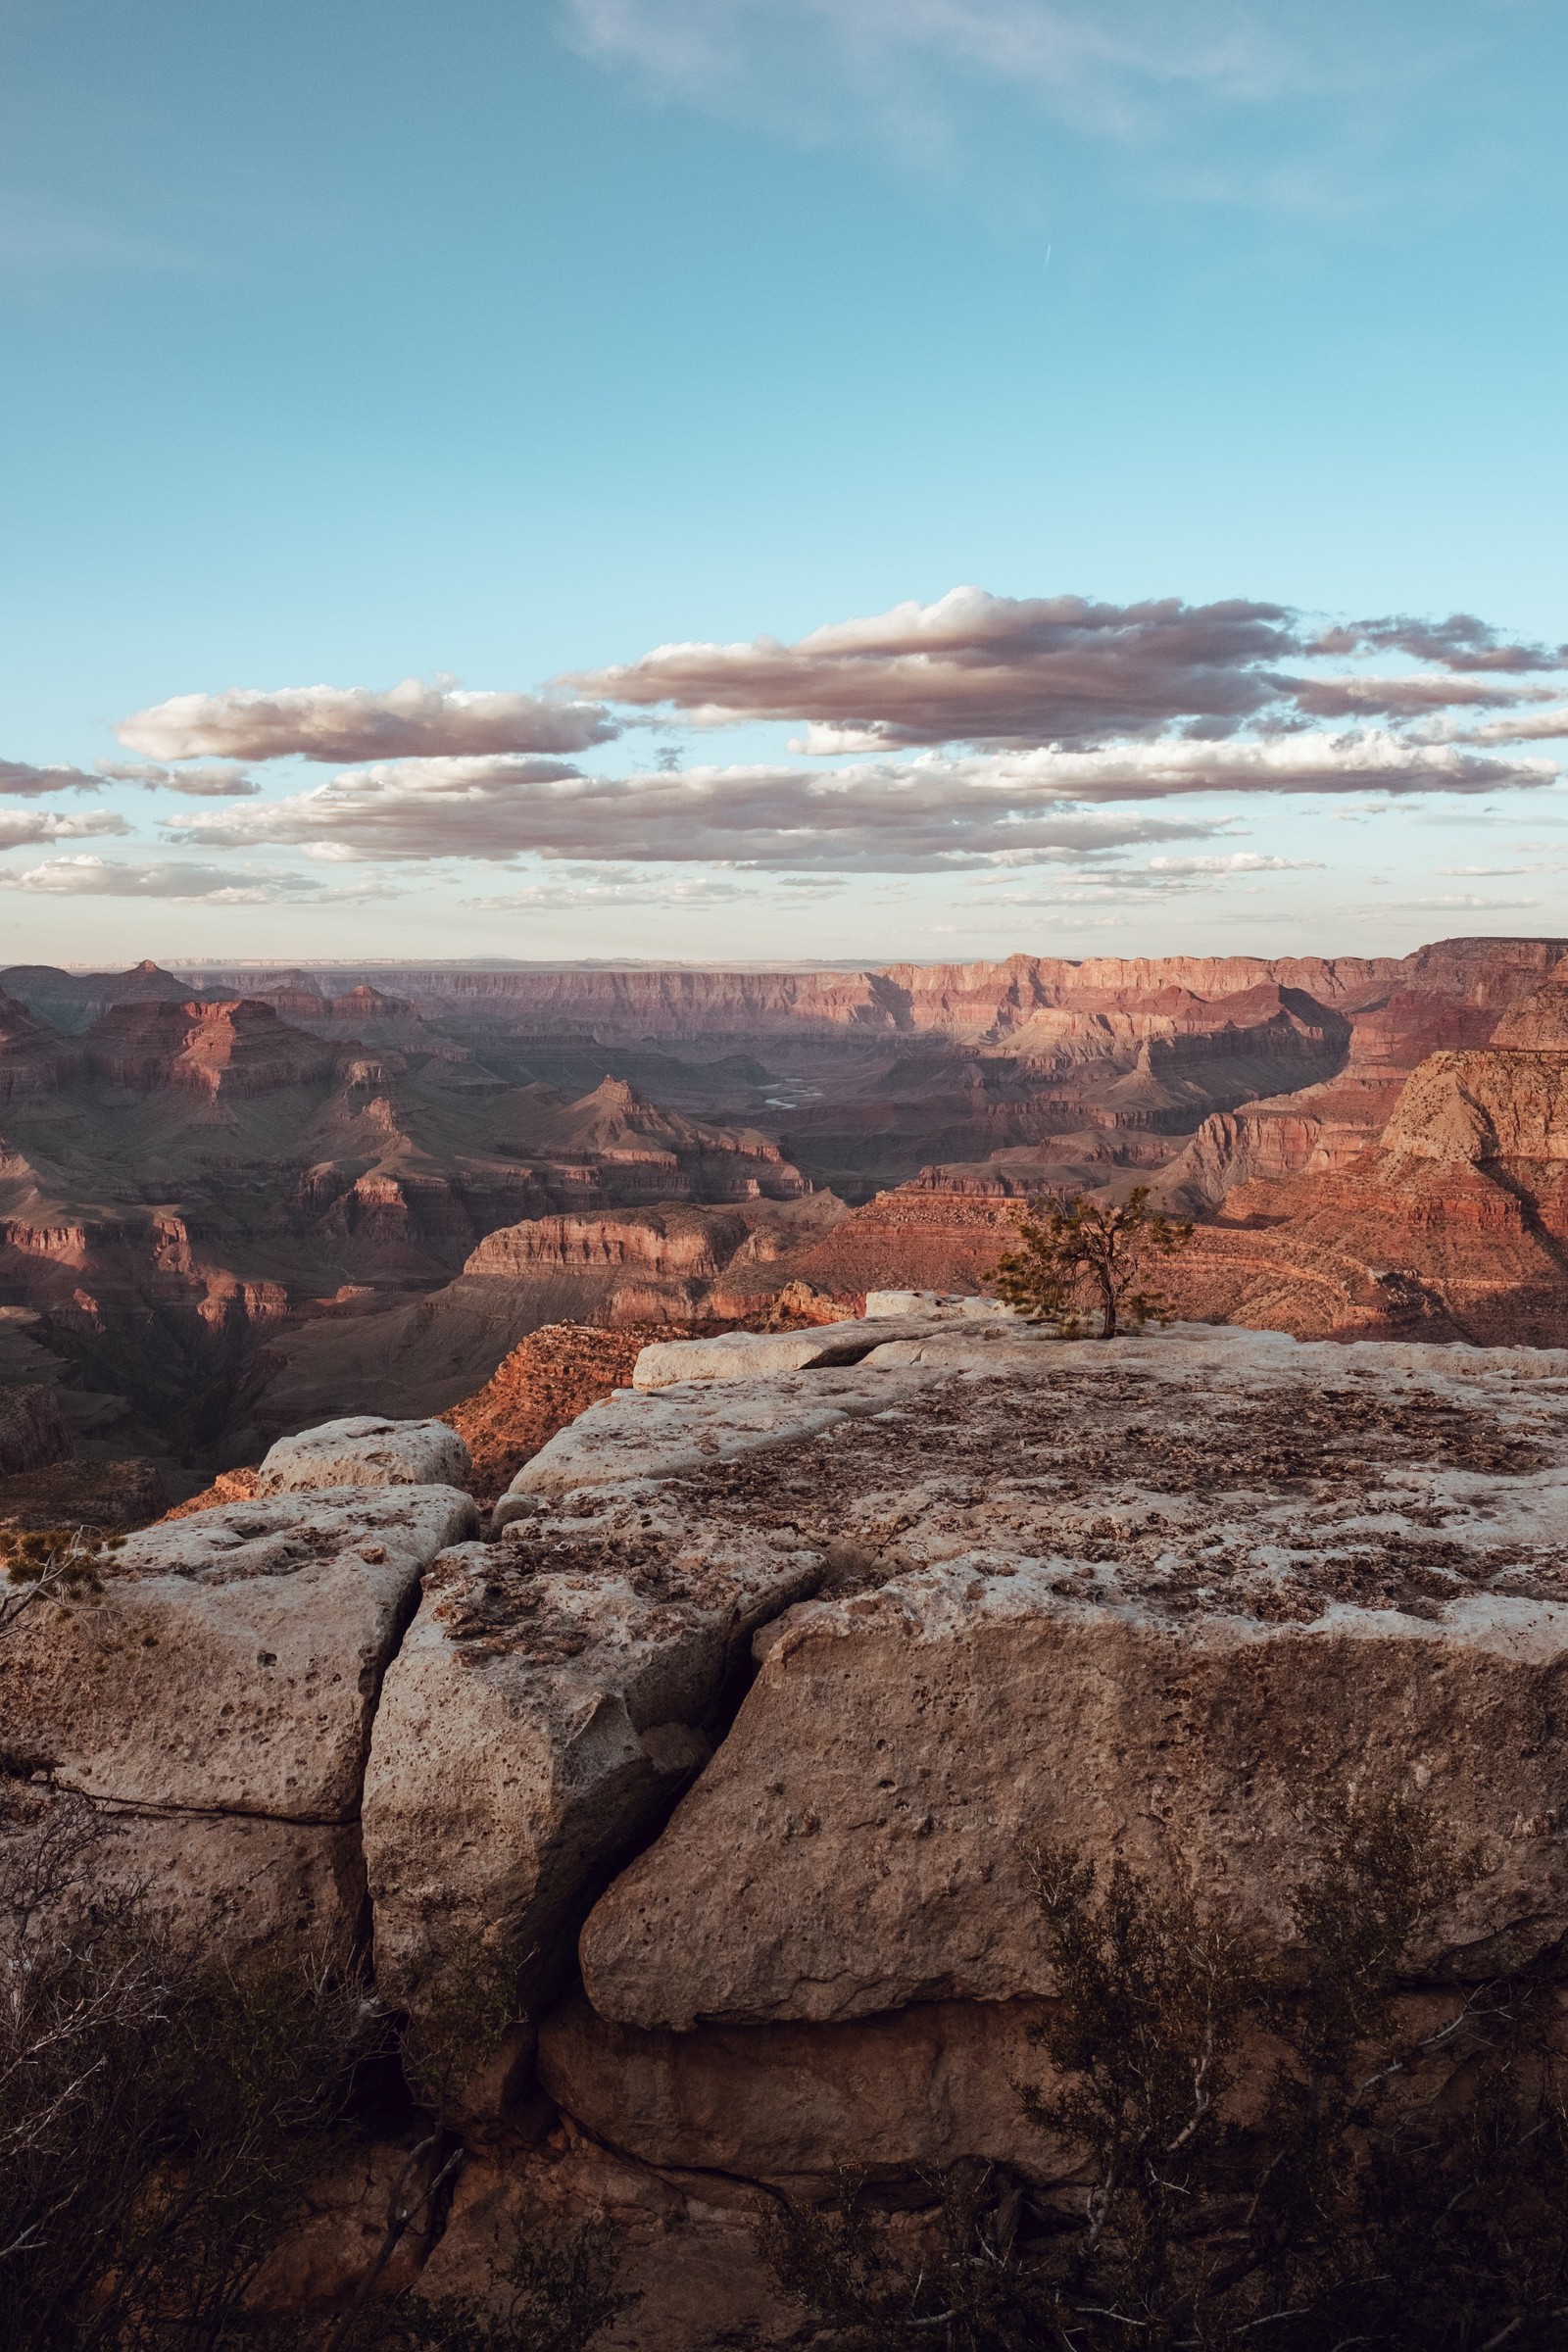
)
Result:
{"points": [[733, 1728]]}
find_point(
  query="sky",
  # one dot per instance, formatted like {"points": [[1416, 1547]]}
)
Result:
{"points": [[760, 480]]}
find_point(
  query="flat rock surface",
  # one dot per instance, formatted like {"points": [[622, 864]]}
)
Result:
{"points": [[233, 1660], [679, 1430], [365, 1450], [1167, 1598]]}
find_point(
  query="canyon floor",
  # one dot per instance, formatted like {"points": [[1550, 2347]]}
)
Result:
{"points": [[233, 1204]]}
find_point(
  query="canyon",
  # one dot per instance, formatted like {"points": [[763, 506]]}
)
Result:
{"points": [[234, 1203]]}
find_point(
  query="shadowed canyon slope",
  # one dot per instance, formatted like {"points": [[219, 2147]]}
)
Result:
{"points": [[232, 1203]]}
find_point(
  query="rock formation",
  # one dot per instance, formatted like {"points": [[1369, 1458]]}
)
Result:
{"points": [[734, 1737]]}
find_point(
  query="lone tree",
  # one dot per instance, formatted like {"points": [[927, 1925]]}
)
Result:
{"points": [[1074, 1249]]}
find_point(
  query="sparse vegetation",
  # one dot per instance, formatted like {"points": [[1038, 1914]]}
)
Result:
{"points": [[162, 2115], [58, 1564], [1308, 2163], [1081, 1260]]}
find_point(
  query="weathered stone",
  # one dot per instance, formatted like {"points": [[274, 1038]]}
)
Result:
{"points": [[1166, 1599], [923, 2086], [365, 1450], [549, 1699], [232, 1662], [211, 1883], [673, 1432], [743, 1355]]}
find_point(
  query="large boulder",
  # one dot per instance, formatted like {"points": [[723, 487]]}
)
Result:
{"points": [[213, 1704], [671, 1432], [232, 1662], [554, 1693], [365, 1450], [1169, 1600]]}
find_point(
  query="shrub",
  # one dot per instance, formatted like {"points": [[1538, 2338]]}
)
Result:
{"points": [[1391, 2184]]}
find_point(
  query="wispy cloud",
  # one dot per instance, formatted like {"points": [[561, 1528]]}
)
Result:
{"points": [[1294, 104], [20, 778], [224, 782], [877, 817], [41, 824], [93, 878], [417, 719]]}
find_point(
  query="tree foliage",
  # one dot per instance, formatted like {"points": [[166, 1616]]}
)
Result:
{"points": [[1080, 1260]]}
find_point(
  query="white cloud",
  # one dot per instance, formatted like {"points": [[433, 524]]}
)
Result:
{"points": [[928, 812], [224, 782], [39, 825], [413, 720], [1062, 670], [884, 817], [88, 876], [21, 780]]}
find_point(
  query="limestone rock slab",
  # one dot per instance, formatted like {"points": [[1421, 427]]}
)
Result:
{"points": [[673, 1432], [1168, 1599], [365, 1450], [552, 1695], [233, 1660]]}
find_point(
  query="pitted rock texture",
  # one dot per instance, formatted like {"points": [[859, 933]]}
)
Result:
{"points": [[637, 1435], [552, 1695], [1166, 1599], [365, 1450], [232, 1662]]}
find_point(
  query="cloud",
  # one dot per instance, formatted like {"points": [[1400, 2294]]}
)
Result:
{"points": [[575, 897], [981, 668], [1522, 726], [225, 782], [413, 720], [1410, 697], [17, 777], [878, 817], [1462, 642], [1110, 67], [1240, 861], [195, 885], [995, 671], [1461, 901], [41, 824]]}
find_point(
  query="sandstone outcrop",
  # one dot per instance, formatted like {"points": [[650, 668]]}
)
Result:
{"points": [[734, 1742], [552, 1695]]}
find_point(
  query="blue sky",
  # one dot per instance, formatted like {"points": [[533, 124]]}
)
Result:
{"points": [[347, 345]]}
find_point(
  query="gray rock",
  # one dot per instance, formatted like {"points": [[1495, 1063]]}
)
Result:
{"points": [[365, 1450], [551, 1696], [233, 1660]]}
